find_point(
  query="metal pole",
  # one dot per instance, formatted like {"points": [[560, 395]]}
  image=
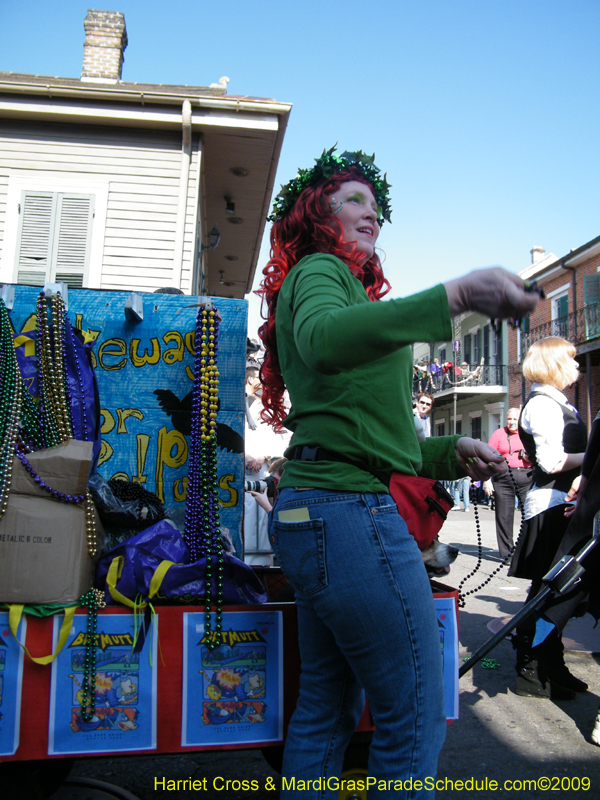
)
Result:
{"points": [[560, 579], [485, 648], [455, 393]]}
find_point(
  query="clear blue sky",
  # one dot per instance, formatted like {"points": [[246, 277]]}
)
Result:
{"points": [[484, 113]]}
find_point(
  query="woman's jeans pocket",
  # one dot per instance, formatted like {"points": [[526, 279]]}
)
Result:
{"points": [[300, 550]]}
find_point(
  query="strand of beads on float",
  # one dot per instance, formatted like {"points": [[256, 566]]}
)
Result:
{"points": [[202, 518]]}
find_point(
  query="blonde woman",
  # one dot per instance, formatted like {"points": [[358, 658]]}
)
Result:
{"points": [[555, 439]]}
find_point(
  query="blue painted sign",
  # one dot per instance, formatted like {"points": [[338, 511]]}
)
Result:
{"points": [[145, 373]]}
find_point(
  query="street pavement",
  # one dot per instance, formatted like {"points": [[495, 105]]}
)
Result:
{"points": [[540, 747]]}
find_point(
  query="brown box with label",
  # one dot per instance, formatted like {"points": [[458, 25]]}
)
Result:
{"points": [[43, 546]]}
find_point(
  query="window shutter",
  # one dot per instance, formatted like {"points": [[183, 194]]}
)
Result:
{"points": [[467, 348], [72, 239], [35, 237], [54, 238], [591, 284], [477, 346], [563, 306]]}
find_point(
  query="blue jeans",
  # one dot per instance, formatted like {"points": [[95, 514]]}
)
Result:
{"points": [[461, 492], [366, 622]]}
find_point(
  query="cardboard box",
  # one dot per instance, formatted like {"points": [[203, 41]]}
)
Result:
{"points": [[43, 545]]}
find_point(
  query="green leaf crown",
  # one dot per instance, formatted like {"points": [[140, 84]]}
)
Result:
{"points": [[326, 166]]}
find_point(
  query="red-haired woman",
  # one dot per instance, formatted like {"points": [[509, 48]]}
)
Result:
{"points": [[365, 609]]}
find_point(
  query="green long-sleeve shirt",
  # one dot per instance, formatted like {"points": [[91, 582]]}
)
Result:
{"points": [[347, 364]]}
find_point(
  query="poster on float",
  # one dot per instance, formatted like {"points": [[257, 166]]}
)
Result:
{"points": [[448, 629], [145, 376], [11, 681], [124, 717], [234, 693]]}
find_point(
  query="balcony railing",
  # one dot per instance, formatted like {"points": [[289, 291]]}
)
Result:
{"points": [[577, 327], [475, 377]]}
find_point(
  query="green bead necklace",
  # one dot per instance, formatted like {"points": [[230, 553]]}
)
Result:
{"points": [[10, 405], [92, 600]]}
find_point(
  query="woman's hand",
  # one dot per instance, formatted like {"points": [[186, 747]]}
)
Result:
{"points": [[494, 292], [574, 493], [479, 460], [488, 488]]}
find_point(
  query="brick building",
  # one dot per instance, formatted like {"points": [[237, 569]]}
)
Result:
{"points": [[570, 310]]}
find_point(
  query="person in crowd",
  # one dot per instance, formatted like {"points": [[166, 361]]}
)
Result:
{"points": [[467, 374], [346, 360], [416, 380], [263, 445], [480, 494], [424, 378], [555, 437], [276, 471], [461, 492], [507, 442], [423, 410], [256, 534], [449, 373], [437, 374]]}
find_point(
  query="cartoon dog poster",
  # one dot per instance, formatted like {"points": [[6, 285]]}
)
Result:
{"points": [[124, 688], [233, 693]]}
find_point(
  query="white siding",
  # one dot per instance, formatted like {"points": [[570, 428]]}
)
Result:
{"points": [[3, 188], [190, 227], [143, 172]]}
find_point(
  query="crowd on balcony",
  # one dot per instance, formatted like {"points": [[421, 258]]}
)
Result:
{"points": [[437, 377]]}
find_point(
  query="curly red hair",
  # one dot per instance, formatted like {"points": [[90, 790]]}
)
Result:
{"points": [[310, 227]]}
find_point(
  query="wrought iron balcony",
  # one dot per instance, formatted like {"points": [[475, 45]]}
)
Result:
{"points": [[477, 376], [577, 327]]}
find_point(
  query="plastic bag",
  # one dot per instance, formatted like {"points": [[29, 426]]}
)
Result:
{"points": [[135, 562], [117, 513], [81, 380]]}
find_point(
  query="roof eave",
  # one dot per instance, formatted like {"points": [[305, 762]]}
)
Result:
{"points": [[545, 270]]}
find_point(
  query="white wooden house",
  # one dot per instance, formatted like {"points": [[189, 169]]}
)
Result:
{"points": [[114, 185]]}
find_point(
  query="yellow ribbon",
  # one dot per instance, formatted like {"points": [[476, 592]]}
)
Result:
{"points": [[14, 618], [114, 573], [112, 578]]}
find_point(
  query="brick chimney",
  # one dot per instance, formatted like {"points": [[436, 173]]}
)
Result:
{"points": [[537, 254], [105, 43]]}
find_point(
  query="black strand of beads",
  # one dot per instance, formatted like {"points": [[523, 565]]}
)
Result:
{"points": [[149, 504], [506, 560]]}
